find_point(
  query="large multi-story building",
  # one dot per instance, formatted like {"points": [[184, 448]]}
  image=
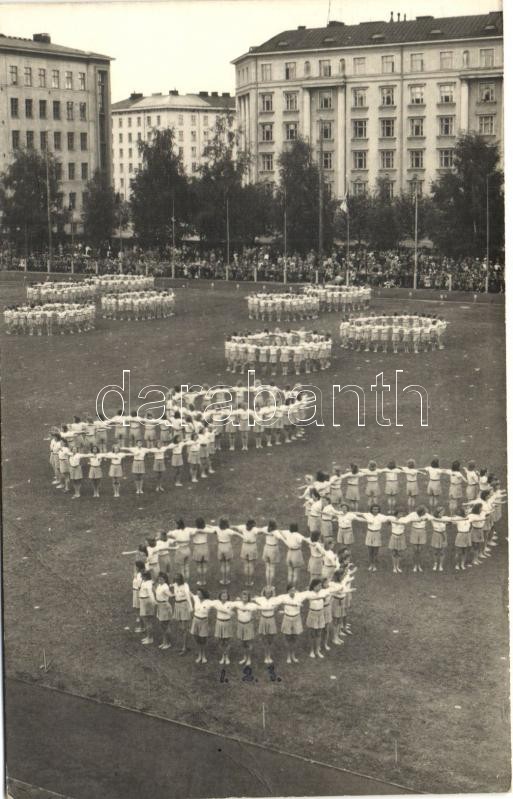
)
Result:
{"points": [[192, 116], [56, 98], [375, 100]]}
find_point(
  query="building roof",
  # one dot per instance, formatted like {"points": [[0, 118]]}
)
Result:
{"points": [[202, 101], [44, 46], [421, 29]]}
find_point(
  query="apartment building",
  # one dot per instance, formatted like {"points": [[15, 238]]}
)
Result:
{"points": [[193, 117], [58, 98], [378, 100]]}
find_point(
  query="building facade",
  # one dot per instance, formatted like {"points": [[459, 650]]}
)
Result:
{"points": [[379, 101], [56, 98], [192, 116]]}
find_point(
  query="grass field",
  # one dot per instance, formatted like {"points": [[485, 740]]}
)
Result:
{"points": [[426, 706]]}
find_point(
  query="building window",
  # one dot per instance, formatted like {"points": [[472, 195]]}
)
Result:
{"points": [[446, 158], [148, 121], [342, 66], [359, 188], [129, 122], [71, 141], [130, 167], [417, 95], [139, 121], [417, 159], [446, 59], [290, 70], [120, 122], [43, 140], [359, 128], [417, 62], [148, 135], [291, 131], [83, 141], [121, 167], [69, 111], [81, 81], [387, 64], [122, 182], [266, 162], [15, 138], [415, 187], [121, 152], [120, 138], [327, 160], [71, 171], [359, 66], [465, 59], [84, 171], [446, 126], [266, 131], [193, 152], [29, 109], [359, 98], [15, 107], [68, 80], [42, 78], [82, 111], [42, 109], [30, 139], [180, 135], [387, 128], [266, 71], [387, 159], [13, 75], [307, 68], [205, 121], [28, 76], [325, 101], [193, 135], [387, 189], [360, 159], [57, 140], [446, 92], [291, 101], [486, 57], [325, 68], [72, 200], [56, 109], [326, 130], [487, 125], [58, 175], [139, 136], [130, 152], [180, 152], [417, 126], [55, 79], [129, 138], [487, 92], [387, 95], [266, 102]]}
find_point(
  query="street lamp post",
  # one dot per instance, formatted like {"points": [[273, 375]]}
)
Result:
{"points": [[416, 251], [173, 267], [285, 234], [48, 210], [321, 193], [72, 242], [487, 278], [227, 238]]}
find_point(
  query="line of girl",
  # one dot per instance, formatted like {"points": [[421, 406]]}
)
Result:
{"points": [[294, 350], [399, 332], [282, 306], [163, 607], [50, 319]]}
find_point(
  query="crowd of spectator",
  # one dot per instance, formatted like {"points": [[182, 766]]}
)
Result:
{"points": [[264, 263]]}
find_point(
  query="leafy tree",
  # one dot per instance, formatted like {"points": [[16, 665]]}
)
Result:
{"points": [[160, 182], [299, 189], [220, 182], [460, 199], [99, 210], [24, 200]]}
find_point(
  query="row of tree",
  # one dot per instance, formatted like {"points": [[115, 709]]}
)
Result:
{"points": [[218, 202]]}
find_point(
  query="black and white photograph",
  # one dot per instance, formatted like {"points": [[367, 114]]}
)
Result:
{"points": [[254, 398]]}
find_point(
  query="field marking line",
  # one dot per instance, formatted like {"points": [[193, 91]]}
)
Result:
{"points": [[22, 784], [233, 738]]}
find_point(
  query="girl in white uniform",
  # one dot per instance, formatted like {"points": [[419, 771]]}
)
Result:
{"points": [[245, 610], [434, 488], [224, 625], [225, 549], [95, 470], [397, 541], [164, 609], [176, 448], [248, 552], [202, 605], [353, 486], [345, 519], [293, 540], [439, 538], [147, 606], [412, 485], [140, 568], [391, 473], [138, 468], [373, 540], [181, 536], [75, 471], [456, 480], [292, 625], [182, 611], [267, 623], [418, 535], [271, 552], [116, 466], [315, 561]]}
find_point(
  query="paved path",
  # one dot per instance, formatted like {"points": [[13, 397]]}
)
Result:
{"points": [[86, 750]]}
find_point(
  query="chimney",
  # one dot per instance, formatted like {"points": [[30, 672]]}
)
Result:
{"points": [[301, 27], [398, 16], [391, 16], [136, 96], [226, 94], [203, 94], [42, 37], [173, 92], [405, 18], [214, 94]]}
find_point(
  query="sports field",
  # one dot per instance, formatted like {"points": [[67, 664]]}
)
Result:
{"points": [[418, 695]]}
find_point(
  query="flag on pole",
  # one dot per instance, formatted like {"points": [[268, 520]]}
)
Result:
{"points": [[344, 206]]}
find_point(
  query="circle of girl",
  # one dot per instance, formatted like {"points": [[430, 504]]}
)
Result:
{"points": [[397, 333], [164, 606], [275, 307], [186, 439], [53, 318], [138, 305], [87, 289], [297, 350], [333, 297], [474, 499]]}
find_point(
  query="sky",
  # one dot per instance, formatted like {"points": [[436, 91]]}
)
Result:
{"points": [[188, 44]]}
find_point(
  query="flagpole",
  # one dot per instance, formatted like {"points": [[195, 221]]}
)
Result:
{"points": [[416, 236], [347, 245]]}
